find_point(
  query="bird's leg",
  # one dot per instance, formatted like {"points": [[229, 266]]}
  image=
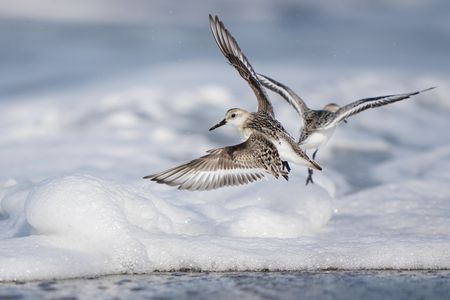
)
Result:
{"points": [[309, 179], [314, 154], [285, 173], [310, 171]]}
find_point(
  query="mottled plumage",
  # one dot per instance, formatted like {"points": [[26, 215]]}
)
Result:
{"points": [[265, 151], [230, 49], [324, 119], [229, 166], [262, 121], [319, 125]]}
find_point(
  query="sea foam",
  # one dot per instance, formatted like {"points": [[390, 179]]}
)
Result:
{"points": [[72, 201], [81, 225]]}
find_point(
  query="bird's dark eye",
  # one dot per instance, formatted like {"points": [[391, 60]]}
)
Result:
{"points": [[233, 115]]}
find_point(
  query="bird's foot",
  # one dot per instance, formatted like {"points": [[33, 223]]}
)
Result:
{"points": [[286, 166], [285, 174], [309, 179]]}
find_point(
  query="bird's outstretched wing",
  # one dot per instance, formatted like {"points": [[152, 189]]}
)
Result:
{"points": [[229, 166], [358, 106], [284, 91], [230, 49]]}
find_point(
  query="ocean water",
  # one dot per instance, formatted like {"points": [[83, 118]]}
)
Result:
{"points": [[248, 285], [96, 96]]}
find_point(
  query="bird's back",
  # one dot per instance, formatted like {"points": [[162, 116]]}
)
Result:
{"points": [[314, 122], [265, 124]]}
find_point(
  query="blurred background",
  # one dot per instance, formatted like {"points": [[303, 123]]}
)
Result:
{"points": [[123, 88], [50, 44]]}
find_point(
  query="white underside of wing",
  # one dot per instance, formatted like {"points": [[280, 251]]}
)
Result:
{"points": [[368, 103], [292, 98]]}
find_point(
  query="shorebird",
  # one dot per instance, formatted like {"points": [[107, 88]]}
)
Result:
{"points": [[265, 150], [319, 125]]}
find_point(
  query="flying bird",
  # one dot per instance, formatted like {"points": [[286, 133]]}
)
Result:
{"points": [[266, 149], [319, 125]]}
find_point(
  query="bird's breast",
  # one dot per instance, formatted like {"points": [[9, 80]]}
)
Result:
{"points": [[318, 139], [246, 132]]}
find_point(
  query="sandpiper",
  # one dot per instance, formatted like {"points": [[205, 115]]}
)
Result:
{"points": [[262, 121], [264, 151], [319, 125]]}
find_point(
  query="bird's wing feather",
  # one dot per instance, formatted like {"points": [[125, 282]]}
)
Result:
{"points": [[284, 91], [363, 104], [229, 166], [231, 50]]}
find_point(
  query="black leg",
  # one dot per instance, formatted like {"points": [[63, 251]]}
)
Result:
{"points": [[314, 154], [286, 166], [309, 179], [310, 171]]}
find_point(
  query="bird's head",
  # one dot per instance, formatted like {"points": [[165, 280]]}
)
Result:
{"points": [[331, 107], [235, 116]]}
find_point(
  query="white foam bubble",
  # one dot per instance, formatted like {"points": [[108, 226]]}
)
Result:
{"points": [[84, 225]]}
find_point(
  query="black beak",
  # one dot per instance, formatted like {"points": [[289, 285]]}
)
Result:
{"points": [[221, 123]]}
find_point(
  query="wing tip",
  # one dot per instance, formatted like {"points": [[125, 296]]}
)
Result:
{"points": [[316, 166], [428, 89], [214, 20]]}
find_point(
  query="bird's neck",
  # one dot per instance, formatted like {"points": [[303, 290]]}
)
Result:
{"points": [[243, 127]]}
